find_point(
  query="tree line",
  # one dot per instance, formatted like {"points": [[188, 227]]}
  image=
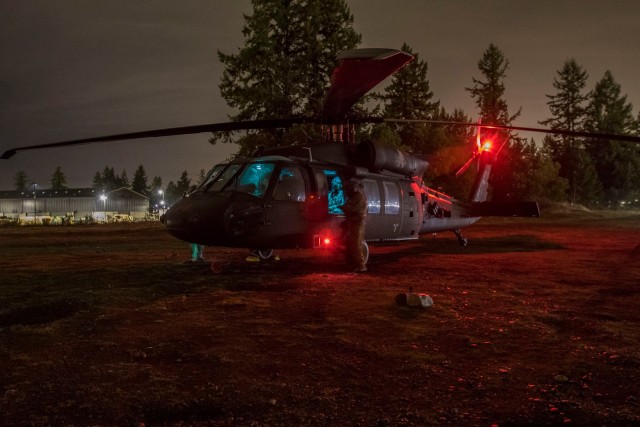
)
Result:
{"points": [[285, 66], [107, 180]]}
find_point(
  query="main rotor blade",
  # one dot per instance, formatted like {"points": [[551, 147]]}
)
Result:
{"points": [[184, 130], [616, 137], [359, 71]]}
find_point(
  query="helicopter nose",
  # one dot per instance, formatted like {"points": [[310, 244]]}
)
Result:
{"points": [[191, 219], [215, 219]]}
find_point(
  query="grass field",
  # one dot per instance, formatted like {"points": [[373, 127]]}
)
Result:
{"points": [[536, 322]]}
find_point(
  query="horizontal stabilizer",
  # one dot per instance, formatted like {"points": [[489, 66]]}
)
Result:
{"points": [[505, 209]]}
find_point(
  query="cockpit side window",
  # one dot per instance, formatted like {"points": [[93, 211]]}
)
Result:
{"points": [[254, 179], [211, 176], [290, 185], [223, 178], [335, 195]]}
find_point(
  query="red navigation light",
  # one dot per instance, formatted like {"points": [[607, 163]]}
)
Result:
{"points": [[327, 241], [486, 146]]}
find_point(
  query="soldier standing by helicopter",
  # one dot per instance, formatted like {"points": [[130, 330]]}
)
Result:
{"points": [[355, 210]]}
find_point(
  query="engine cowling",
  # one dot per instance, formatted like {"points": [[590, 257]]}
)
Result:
{"points": [[375, 157]]}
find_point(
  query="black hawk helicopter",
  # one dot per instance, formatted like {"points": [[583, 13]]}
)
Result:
{"points": [[290, 197]]}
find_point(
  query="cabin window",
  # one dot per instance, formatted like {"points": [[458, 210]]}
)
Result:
{"points": [[335, 195], [290, 185], [254, 179], [321, 180], [391, 198], [372, 192]]}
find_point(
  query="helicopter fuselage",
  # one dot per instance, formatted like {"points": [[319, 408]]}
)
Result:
{"points": [[279, 201]]}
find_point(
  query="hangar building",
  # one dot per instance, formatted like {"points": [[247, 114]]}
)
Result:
{"points": [[77, 202]]}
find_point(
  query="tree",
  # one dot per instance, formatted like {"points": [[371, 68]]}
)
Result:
{"points": [[156, 184], [20, 181], [97, 182], [172, 193], [568, 111], [489, 93], [122, 180], [410, 97], [139, 183], [284, 68], [489, 98], [545, 183], [108, 179], [201, 176], [617, 163], [453, 146], [534, 174], [58, 180], [183, 185]]}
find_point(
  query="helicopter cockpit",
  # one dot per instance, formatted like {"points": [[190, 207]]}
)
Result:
{"points": [[254, 178]]}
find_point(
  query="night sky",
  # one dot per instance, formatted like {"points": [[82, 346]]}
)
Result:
{"points": [[83, 68]]}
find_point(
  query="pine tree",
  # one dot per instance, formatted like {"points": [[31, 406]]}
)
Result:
{"points": [[98, 184], [172, 193], [284, 68], [139, 183], [452, 149], [535, 175], [58, 179], [545, 182], [122, 180], [156, 184], [617, 163], [108, 179], [490, 100], [183, 185], [568, 112], [489, 93], [410, 97], [20, 181]]}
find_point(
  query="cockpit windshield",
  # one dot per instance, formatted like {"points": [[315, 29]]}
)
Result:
{"points": [[221, 179], [211, 176], [250, 178], [254, 179]]}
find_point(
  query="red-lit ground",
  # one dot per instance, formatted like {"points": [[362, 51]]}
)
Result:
{"points": [[536, 322]]}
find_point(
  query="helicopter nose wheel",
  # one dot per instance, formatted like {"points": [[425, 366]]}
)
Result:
{"points": [[461, 239], [262, 254]]}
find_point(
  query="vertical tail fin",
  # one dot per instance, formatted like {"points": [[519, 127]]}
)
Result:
{"points": [[480, 189]]}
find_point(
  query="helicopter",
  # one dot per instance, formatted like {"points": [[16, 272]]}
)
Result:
{"points": [[291, 196]]}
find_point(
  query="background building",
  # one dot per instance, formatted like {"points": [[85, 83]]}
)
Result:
{"points": [[78, 203]]}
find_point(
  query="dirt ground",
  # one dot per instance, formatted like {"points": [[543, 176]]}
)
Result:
{"points": [[536, 322]]}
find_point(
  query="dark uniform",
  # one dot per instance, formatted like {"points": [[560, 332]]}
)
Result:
{"points": [[355, 210]]}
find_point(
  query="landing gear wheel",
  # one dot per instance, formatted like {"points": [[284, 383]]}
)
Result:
{"points": [[218, 266], [264, 254]]}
